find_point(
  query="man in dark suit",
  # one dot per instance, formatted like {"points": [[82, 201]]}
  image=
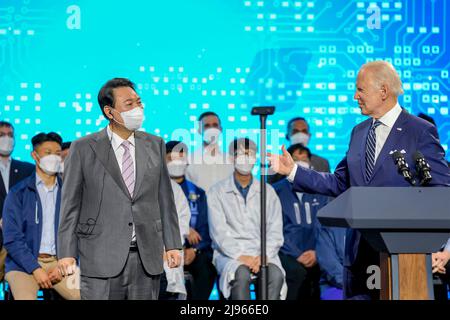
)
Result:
{"points": [[118, 215], [368, 161], [12, 172]]}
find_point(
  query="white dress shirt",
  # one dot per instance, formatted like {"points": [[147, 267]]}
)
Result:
{"points": [[383, 130], [4, 169], [116, 143], [48, 203]]}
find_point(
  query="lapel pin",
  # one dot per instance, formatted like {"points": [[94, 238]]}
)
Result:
{"points": [[15, 170], [399, 129]]}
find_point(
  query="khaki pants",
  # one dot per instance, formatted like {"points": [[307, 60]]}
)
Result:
{"points": [[3, 254], [25, 287]]}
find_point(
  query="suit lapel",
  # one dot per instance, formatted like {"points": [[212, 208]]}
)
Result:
{"points": [[392, 141], [143, 160], [3, 187], [105, 153], [13, 173]]}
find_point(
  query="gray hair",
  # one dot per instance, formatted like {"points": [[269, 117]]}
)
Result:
{"points": [[385, 73]]}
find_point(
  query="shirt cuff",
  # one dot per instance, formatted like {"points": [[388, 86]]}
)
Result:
{"points": [[447, 246], [291, 175]]}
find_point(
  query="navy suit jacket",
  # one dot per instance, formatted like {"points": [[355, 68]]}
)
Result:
{"points": [[410, 134], [18, 171]]}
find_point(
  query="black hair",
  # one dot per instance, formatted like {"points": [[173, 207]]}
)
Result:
{"points": [[66, 145], [42, 137], [106, 93], [301, 148], [6, 124], [241, 142], [290, 122], [176, 146], [427, 118], [207, 114]]}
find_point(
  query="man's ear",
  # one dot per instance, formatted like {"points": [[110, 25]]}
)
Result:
{"points": [[384, 92], [108, 113], [34, 155]]}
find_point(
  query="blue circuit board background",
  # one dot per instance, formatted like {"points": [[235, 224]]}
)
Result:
{"points": [[190, 56]]}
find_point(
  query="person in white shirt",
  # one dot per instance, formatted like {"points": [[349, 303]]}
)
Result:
{"points": [[172, 281], [208, 165], [234, 223]]}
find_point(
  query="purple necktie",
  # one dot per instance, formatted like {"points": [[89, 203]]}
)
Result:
{"points": [[128, 167]]}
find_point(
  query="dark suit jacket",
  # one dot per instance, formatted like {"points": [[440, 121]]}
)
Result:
{"points": [[19, 171], [409, 133]]}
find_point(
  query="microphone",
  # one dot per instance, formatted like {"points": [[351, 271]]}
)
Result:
{"points": [[403, 167], [422, 168]]}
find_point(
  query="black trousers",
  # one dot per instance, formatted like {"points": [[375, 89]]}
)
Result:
{"points": [[302, 283], [441, 292], [204, 274]]}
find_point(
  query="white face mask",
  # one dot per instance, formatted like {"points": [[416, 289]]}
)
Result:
{"points": [[50, 164], [6, 145], [177, 168], [300, 137], [132, 119], [303, 164], [211, 135], [244, 164]]}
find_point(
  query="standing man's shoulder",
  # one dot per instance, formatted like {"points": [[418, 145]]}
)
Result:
{"points": [[87, 140], [320, 163], [26, 167], [362, 126], [418, 124], [281, 185], [149, 138]]}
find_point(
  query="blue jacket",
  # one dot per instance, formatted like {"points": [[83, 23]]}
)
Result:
{"points": [[22, 225], [330, 254], [199, 213], [19, 170], [298, 237]]}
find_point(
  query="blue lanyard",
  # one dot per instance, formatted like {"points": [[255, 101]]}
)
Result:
{"points": [[193, 205]]}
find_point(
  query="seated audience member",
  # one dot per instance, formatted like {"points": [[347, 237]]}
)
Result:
{"points": [[197, 245], [12, 172], [330, 245], [208, 165], [298, 253], [64, 153], [234, 224], [298, 131], [30, 221], [172, 281]]}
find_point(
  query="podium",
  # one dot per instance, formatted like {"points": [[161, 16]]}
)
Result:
{"points": [[405, 225]]}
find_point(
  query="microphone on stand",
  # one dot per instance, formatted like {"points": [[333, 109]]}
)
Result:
{"points": [[423, 168], [403, 167]]}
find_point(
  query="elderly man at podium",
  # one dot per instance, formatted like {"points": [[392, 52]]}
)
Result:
{"points": [[368, 161]]}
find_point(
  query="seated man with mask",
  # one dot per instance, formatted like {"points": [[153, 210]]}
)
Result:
{"points": [[197, 245], [298, 253], [234, 224], [30, 222]]}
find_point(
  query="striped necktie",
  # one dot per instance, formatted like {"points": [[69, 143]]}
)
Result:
{"points": [[370, 150]]}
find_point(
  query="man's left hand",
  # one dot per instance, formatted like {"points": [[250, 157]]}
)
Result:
{"points": [[173, 258], [439, 260]]}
